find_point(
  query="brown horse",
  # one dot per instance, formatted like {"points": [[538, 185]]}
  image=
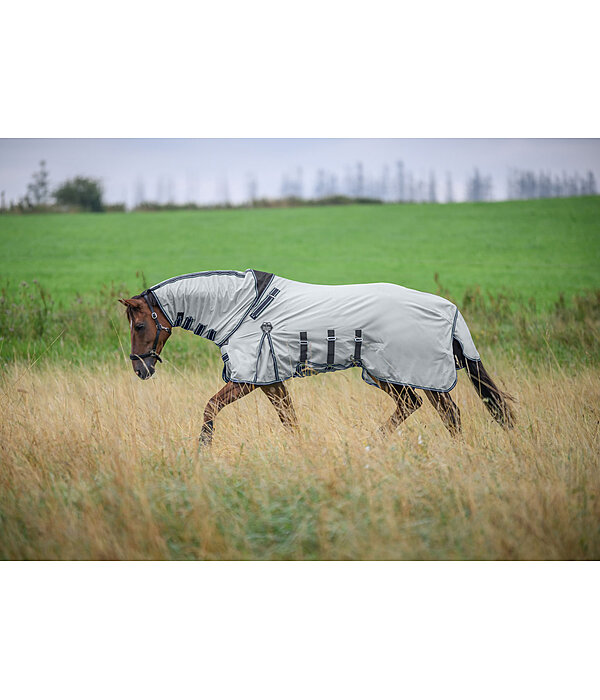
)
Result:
{"points": [[150, 329]]}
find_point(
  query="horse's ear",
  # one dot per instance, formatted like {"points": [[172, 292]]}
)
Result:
{"points": [[131, 302], [125, 302]]}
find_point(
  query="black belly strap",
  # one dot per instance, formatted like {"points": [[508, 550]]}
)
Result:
{"points": [[303, 346], [330, 348], [357, 346]]}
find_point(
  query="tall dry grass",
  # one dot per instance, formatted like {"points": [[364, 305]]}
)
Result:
{"points": [[96, 464]]}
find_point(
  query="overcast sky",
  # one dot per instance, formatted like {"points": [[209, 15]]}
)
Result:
{"points": [[207, 170]]}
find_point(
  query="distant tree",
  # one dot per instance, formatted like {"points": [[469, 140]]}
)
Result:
{"points": [[333, 187], [385, 182], [400, 176], [449, 188], [320, 186], [38, 190], [298, 185], [432, 187], [590, 183], [160, 190], [225, 192], [80, 192], [2, 201], [360, 180], [479, 188], [171, 192], [410, 188], [252, 188], [140, 194]]}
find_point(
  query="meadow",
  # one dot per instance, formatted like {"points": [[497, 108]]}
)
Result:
{"points": [[534, 249], [95, 464]]}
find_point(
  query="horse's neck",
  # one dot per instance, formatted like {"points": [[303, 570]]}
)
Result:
{"points": [[205, 296], [207, 300]]}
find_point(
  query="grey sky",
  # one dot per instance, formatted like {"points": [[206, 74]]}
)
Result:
{"points": [[204, 169]]}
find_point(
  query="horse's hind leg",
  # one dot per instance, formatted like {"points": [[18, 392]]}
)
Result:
{"points": [[448, 410], [279, 396], [407, 402], [228, 394]]}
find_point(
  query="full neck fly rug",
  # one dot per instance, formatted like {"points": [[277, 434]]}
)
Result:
{"points": [[270, 329]]}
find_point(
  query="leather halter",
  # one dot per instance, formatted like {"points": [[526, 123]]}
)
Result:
{"points": [[159, 328]]}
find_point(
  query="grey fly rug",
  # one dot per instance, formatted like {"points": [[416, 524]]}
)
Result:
{"points": [[270, 328]]}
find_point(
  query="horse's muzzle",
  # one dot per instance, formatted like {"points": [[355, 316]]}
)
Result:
{"points": [[143, 369]]}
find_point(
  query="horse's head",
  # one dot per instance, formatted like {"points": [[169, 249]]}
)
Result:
{"points": [[150, 330]]}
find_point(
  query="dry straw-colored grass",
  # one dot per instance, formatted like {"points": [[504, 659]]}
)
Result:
{"points": [[95, 464]]}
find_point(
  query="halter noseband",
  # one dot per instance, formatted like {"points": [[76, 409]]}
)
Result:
{"points": [[159, 328]]}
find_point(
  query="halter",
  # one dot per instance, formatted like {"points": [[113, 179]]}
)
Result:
{"points": [[159, 328]]}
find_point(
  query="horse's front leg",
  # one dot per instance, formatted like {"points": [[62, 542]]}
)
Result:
{"points": [[280, 397], [228, 394]]}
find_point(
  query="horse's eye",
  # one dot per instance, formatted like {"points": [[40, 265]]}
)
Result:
{"points": [[139, 326]]}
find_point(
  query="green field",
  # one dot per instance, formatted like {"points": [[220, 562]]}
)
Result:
{"points": [[98, 465], [531, 249]]}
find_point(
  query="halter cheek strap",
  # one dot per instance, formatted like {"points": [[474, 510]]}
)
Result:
{"points": [[159, 328]]}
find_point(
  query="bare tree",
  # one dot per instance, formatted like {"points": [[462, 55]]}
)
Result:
{"points": [[319, 190], [432, 187], [160, 190], [225, 191], [400, 176], [360, 180], [252, 188], [170, 191], [38, 190], [479, 188], [449, 188], [410, 188], [590, 183], [139, 191], [299, 187], [385, 183]]}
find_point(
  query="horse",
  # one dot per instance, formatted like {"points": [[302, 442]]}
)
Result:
{"points": [[270, 329]]}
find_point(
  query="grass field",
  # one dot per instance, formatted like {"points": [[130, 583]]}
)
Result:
{"points": [[96, 464], [535, 249]]}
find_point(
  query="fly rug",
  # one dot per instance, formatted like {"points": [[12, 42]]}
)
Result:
{"points": [[270, 329]]}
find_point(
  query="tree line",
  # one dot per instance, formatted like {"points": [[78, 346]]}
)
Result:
{"points": [[76, 194], [354, 186]]}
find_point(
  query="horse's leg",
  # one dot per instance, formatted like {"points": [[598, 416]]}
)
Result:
{"points": [[448, 410], [279, 396], [228, 394], [407, 402]]}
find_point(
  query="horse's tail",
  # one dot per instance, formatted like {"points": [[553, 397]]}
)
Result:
{"points": [[495, 399], [465, 353]]}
